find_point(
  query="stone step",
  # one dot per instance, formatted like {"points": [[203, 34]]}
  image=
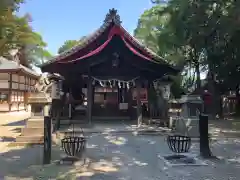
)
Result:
{"points": [[30, 139], [36, 118], [24, 144], [31, 123], [32, 131]]}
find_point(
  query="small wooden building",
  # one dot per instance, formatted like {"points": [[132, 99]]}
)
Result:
{"points": [[16, 81], [112, 68]]}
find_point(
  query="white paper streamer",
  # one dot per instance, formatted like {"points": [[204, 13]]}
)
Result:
{"points": [[114, 82]]}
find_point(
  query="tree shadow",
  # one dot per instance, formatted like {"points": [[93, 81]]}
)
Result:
{"points": [[104, 160], [26, 162], [17, 123], [7, 139], [17, 130]]}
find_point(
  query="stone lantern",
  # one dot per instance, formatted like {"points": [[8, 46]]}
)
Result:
{"points": [[162, 88], [188, 121], [39, 102]]}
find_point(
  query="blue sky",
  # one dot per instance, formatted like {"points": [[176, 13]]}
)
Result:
{"points": [[60, 20]]}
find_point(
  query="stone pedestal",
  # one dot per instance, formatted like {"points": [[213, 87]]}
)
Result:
{"points": [[33, 132], [187, 123]]}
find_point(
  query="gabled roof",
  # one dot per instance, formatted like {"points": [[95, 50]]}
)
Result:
{"points": [[111, 18], [8, 65]]}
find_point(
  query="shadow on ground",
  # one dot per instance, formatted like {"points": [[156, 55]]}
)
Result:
{"points": [[26, 163], [225, 128], [7, 139], [16, 123]]}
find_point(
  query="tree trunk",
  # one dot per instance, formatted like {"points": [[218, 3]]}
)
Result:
{"points": [[203, 123], [198, 81], [237, 101], [204, 139], [215, 107], [56, 108]]}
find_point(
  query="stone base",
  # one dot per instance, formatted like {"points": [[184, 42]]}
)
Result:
{"points": [[32, 133], [72, 161], [184, 159]]}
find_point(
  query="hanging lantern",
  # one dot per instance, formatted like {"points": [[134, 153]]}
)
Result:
{"points": [[156, 86], [163, 88], [55, 92]]}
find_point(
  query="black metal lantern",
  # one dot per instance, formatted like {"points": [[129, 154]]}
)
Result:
{"points": [[74, 146], [179, 143]]}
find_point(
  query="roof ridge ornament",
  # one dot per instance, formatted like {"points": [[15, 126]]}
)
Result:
{"points": [[113, 16]]}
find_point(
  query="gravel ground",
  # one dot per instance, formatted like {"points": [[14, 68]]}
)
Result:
{"points": [[121, 157]]}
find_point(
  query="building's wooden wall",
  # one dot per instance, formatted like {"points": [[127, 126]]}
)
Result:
{"points": [[14, 90]]}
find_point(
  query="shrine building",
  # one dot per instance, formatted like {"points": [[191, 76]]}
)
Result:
{"points": [[112, 68], [16, 82]]}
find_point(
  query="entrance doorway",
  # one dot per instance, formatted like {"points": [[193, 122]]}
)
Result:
{"points": [[110, 102]]}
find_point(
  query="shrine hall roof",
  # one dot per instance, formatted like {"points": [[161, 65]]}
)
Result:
{"points": [[111, 17]]}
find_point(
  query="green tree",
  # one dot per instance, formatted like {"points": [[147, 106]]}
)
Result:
{"points": [[16, 33], [208, 32], [206, 27], [153, 32]]}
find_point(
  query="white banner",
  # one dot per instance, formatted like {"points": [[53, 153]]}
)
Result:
{"points": [[55, 94]]}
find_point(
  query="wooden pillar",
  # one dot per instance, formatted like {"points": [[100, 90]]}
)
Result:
{"points": [[47, 146], [89, 99], [204, 136], [10, 92], [18, 92], [139, 105], [93, 94]]}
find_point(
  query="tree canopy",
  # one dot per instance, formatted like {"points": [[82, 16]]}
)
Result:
{"points": [[16, 33], [203, 34]]}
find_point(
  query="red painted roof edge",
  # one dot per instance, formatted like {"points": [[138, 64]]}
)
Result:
{"points": [[111, 17]]}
